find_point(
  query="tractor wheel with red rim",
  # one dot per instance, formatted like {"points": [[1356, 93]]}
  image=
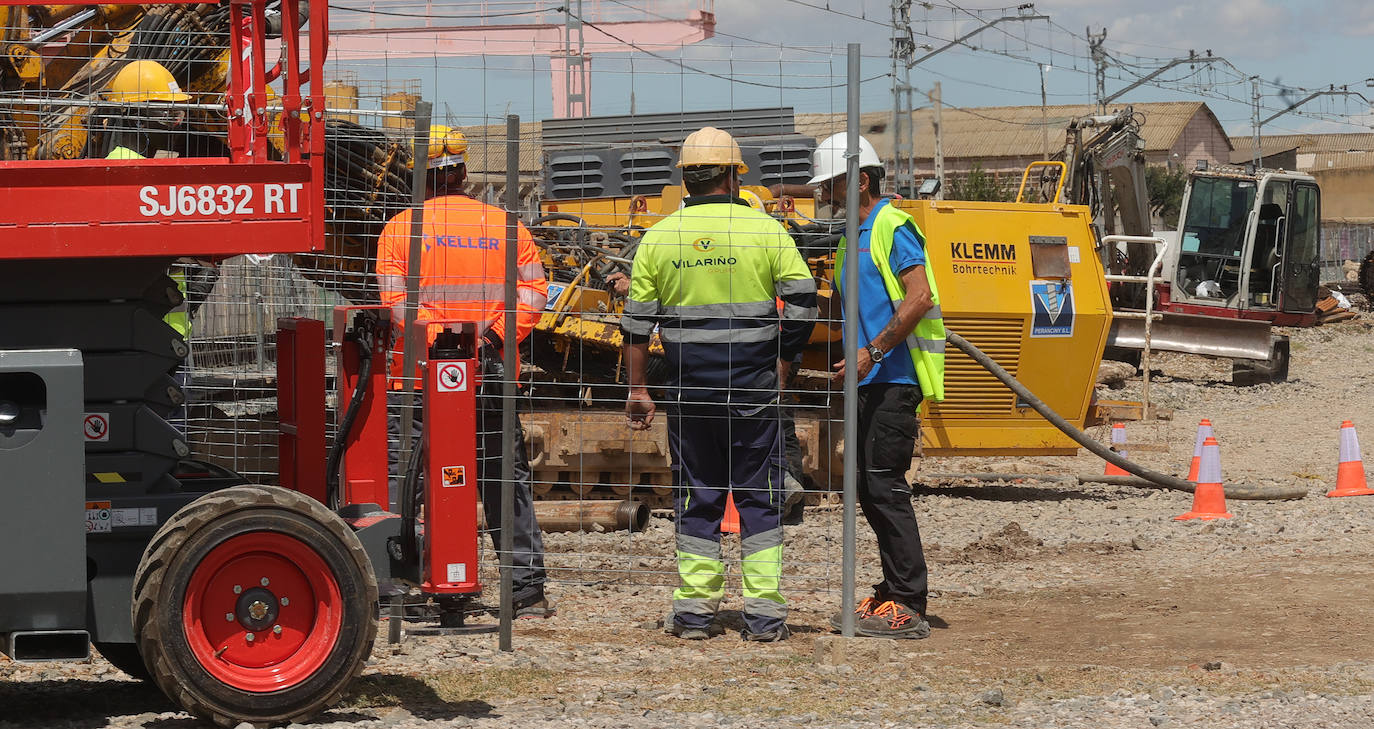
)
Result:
{"points": [[254, 604]]}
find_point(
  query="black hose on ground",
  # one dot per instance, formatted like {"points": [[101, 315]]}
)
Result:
{"points": [[1149, 477]]}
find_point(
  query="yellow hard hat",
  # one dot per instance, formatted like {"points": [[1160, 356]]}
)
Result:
{"points": [[711, 146], [145, 81], [446, 146]]}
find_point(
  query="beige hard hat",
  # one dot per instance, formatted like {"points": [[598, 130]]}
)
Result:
{"points": [[711, 146]]}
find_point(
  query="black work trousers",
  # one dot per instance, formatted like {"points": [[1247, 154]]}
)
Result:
{"points": [[888, 428]]}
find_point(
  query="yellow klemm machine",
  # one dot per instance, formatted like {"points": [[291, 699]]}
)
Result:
{"points": [[1023, 283]]}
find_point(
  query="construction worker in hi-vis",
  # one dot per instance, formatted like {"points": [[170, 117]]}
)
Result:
{"points": [[899, 361], [462, 278], [143, 121], [707, 278]]}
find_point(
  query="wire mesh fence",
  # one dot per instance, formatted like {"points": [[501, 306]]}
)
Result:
{"points": [[593, 478]]}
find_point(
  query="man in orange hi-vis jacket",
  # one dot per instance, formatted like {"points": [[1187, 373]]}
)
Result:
{"points": [[462, 277]]}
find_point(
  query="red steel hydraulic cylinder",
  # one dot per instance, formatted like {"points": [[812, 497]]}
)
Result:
{"points": [[364, 475], [450, 442], [300, 405]]}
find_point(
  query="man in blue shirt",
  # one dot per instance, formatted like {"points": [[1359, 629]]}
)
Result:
{"points": [[894, 295]]}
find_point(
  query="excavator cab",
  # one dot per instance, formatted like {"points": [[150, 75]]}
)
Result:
{"points": [[1248, 243]]}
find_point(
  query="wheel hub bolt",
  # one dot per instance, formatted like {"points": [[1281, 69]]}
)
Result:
{"points": [[266, 582], [249, 637], [238, 589], [258, 610], [229, 617], [285, 601], [276, 629]]}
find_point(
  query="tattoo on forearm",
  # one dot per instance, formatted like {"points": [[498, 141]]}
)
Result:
{"points": [[892, 333]]}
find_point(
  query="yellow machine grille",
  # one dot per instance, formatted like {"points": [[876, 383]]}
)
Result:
{"points": [[970, 389]]}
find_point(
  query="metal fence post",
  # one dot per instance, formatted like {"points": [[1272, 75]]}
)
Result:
{"points": [[509, 425], [851, 333]]}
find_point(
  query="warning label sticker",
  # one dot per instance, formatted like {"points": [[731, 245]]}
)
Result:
{"points": [[140, 517], [1051, 309], [457, 572], [454, 476], [98, 517], [453, 377], [97, 427]]}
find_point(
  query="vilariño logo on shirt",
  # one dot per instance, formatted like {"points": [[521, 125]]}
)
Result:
{"points": [[703, 244]]}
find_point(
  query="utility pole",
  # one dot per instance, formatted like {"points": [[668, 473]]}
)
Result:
{"points": [[903, 47], [1330, 90], [939, 142], [1099, 57], [1044, 121], [1255, 120], [575, 76]]}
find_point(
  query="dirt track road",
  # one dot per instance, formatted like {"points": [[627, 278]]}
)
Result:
{"points": [[1054, 605]]}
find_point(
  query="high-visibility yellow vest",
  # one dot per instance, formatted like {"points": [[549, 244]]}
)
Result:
{"points": [[179, 318], [927, 341]]}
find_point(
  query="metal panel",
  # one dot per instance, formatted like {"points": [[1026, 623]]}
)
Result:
{"points": [[622, 171], [670, 127], [43, 578]]}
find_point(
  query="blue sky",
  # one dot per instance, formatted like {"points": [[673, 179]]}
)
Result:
{"points": [[776, 52]]}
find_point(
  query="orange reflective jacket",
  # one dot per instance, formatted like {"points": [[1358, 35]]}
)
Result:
{"points": [[463, 267]]}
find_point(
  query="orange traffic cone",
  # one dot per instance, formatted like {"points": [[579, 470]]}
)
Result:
{"points": [[1209, 498], [729, 524], [1118, 445], [1350, 478], [1204, 431]]}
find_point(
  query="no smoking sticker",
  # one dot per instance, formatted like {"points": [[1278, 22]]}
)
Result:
{"points": [[453, 377], [97, 427], [98, 517], [454, 476]]}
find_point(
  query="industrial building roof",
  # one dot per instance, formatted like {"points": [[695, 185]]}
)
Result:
{"points": [[1006, 131]]}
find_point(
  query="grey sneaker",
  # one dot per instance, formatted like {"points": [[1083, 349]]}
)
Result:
{"points": [[782, 632], [531, 609], [686, 633], [863, 610], [893, 620]]}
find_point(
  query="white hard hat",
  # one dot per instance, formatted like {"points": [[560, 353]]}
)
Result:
{"points": [[827, 162]]}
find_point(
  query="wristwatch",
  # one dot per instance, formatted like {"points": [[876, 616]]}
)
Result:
{"points": [[874, 353]]}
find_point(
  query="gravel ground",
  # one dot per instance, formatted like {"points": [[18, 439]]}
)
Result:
{"points": [[1054, 605]]}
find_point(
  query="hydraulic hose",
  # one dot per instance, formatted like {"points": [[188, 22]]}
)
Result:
{"points": [[362, 339], [1147, 476]]}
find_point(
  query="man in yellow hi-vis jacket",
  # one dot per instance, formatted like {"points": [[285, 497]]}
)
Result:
{"points": [[709, 277]]}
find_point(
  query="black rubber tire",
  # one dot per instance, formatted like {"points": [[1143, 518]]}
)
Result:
{"points": [[168, 563], [125, 657]]}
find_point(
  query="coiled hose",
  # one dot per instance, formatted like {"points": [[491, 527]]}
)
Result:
{"points": [[1146, 476]]}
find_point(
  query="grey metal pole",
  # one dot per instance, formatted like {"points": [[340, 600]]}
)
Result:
{"points": [[412, 345], [851, 334], [509, 424]]}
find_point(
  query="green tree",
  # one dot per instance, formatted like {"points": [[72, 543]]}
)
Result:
{"points": [[978, 184], [1165, 191]]}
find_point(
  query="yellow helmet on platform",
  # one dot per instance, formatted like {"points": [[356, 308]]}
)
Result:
{"points": [[446, 146], [145, 81], [710, 146]]}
